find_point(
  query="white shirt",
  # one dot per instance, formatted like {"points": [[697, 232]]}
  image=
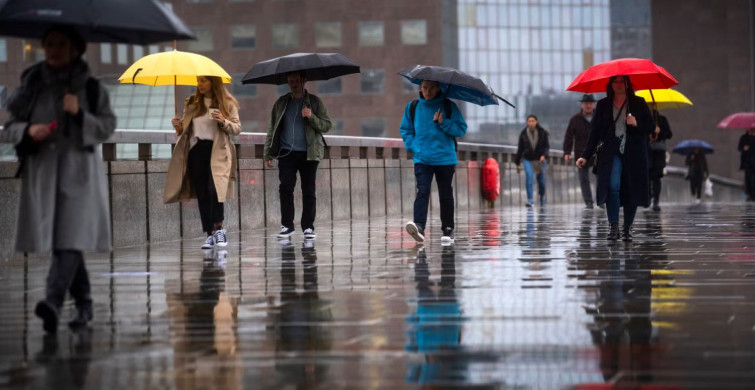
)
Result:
{"points": [[204, 126]]}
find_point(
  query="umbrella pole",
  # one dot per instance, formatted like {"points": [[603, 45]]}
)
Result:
{"points": [[655, 108], [175, 87]]}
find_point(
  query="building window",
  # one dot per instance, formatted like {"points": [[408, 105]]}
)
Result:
{"points": [[242, 90], [3, 50], [154, 49], [328, 34], [250, 126], [414, 32], [122, 49], [408, 86], [282, 89], [285, 36], [204, 39], [337, 128], [138, 52], [106, 53], [371, 34], [329, 87], [243, 37], [373, 127], [373, 81], [33, 51]]}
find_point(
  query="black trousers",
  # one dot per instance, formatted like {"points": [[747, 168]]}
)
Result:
{"points": [[68, 274], [750, 182], [444, 175], [696, 186], [200, 174], [655, 189], [288, 165]]}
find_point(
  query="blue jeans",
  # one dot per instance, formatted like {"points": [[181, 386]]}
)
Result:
{"points": [[444, 175], [614, 196], [529, 173]]}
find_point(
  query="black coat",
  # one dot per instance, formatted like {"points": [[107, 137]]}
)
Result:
{"points": [[576, 134], [658, 157], [635, 188], [525, 148], [747, 158]]}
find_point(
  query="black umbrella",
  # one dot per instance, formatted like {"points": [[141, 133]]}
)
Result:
{"points": [[454, 83], [139, 22], [316, 66]]}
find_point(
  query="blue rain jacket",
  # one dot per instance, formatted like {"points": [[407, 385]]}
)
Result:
{"points": [[430, 142]]}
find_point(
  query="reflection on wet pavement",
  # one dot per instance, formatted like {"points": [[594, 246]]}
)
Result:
{"points": [[524, 299]]}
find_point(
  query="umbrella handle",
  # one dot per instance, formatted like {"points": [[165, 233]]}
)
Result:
{"points": [[505, 101], [133, 79]]}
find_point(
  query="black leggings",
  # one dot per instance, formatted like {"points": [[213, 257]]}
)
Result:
{"points": [[210, 210]]}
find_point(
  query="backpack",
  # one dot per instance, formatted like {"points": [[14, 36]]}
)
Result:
{"points": [[27, 146], [446, 108]]}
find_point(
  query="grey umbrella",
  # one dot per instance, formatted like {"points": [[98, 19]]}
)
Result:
{"points": [[138, 22], [316, 66], [454, 83]]}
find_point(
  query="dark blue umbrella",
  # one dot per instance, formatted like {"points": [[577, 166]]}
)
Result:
{"points": [[687, 146], [454, 83]]}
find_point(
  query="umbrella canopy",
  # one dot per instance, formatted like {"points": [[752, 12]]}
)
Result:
{"points": [[665, 98], [454, 83], [687, 146], [172, 68], [139, 22], [316, 66], [643, 73], [740, 120]]}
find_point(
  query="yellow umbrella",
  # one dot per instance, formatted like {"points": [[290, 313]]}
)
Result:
{"points": [[665, 98], [172, 68]]}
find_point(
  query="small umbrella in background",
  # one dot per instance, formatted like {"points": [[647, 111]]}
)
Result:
{"points": [[740, 120], [139, 22], [172, 68], [455, 84], [687, 146], [316, 66], [665, 98]]}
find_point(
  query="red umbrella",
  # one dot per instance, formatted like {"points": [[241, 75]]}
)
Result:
{"points": [[644, 74], [740, 120]]}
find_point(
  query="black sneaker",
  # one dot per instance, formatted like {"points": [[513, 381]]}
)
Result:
{"points": [[309, 233], [220, 238], [448, 235], [415, 231], [285, 232], [49, 315]]}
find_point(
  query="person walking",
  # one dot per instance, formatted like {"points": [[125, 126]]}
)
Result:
{"points": [[576, 137], [747, 161], [697, 172], [622, 124], [295, 137], [657, 154], [203, 164], [429, 129], [58, 117], [533, 148]]}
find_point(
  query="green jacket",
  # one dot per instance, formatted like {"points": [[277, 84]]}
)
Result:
{"points": [[316, 126]]}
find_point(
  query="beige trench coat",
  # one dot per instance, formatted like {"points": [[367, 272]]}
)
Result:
{"points": [[222, 159]]}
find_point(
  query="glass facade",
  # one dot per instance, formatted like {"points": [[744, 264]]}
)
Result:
{"points": [[529, 52]]}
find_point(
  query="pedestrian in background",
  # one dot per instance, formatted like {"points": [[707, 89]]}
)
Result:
{"points": [[622, 124], [60, 115], [429, 129], [747, 161], [697, 172], [295, 138], [575, 140], [657, 155], [203, 164], [532, 152]]}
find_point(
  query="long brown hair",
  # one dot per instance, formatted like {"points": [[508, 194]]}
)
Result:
{"points": [[221, 98]]}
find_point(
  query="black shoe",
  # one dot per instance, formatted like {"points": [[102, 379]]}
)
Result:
{"points": [[613, 232], [83, 316], [448, 236], [627, 235], [285, 232], [656, 207], [49, 315], [589, 206]]}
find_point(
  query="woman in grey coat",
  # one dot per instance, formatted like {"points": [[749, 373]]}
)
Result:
{"points": [[59, 115]]}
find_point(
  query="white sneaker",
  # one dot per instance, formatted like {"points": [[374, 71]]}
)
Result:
{"points": [[697, 200], [220, 238], [209, 243], [309, 233], [285, 232], [415, 231]]}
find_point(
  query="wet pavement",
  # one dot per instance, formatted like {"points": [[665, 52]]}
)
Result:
{"points": [[524, 299]]}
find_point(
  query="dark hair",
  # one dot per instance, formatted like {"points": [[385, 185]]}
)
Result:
{"points": [[77, 41], [299, 72], [532, 116], [627, 81]]}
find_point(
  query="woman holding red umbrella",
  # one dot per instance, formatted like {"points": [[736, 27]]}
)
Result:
{"points": [[622, 124]]}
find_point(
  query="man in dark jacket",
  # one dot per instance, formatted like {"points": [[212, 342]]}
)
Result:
{"points": [[747, 161], [657, 157], [295, 137], [534, 147], [576, 137]]}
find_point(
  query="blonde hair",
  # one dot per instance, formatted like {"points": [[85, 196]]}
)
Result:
{"points": [[221, 98]]}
